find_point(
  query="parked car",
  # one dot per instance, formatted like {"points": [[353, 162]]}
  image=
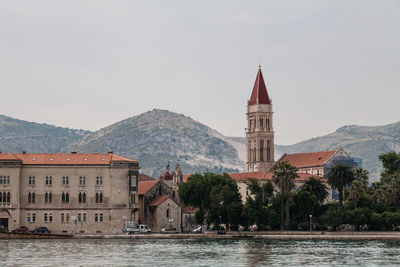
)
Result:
{"points": [[169, 231], [198, 230], [42, 230], [21, 229]]}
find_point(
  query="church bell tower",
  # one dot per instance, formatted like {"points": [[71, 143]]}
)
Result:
{"points": [[259, 131]]}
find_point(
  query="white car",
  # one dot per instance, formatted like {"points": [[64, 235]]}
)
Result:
{"points": [[198, 230]]}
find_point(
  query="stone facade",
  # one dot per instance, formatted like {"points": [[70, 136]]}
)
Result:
{"points": [[69, 193], [259, 131], [155, 215]]}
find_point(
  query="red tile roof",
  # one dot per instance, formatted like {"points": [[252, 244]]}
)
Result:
{"points": [[259, 94], [8, 156], [69, 159], [243, 176], [144, 177], [190, 209], [307, 159], [158, 201], [146, 186]]}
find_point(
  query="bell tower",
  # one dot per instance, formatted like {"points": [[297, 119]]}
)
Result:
{"points": [[259, 131]]}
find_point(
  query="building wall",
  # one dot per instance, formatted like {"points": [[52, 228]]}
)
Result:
{"points": [[115, 208], [160, 219]]}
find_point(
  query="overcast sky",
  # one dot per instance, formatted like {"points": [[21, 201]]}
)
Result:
{"points": [[88, 64]]}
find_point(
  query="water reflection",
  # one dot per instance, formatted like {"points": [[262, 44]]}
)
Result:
{"points": [[164, 252]]}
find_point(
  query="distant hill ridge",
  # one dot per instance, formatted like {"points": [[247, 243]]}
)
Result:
{"points": [[157, 137]]}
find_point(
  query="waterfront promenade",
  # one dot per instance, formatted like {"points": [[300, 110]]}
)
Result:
{"points": [[270, 235]]}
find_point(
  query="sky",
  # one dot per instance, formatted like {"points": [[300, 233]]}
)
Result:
{"points": [[88, 64]]}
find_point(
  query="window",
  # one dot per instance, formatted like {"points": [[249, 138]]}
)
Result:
{"points": [[99, 197], [84, 217], [65, 197], [261, 123], [133, 198], [33, 217], [268, 150], [31, 180], [167, 213], [67, 217], [250, 124], [50, 197], [1, 197], [8, 198], [82, 180], [50, 217], [65, 180], [84, 197], [4, 197], [268, 123], [45, 217], [79, 217], [62, 217], [1, 180], [28, 217], [101, 217], [49, 180], [80, 198], [99, 181], [8, 179], [261, 150], [96, 217], [46, 198], [31, 197]]}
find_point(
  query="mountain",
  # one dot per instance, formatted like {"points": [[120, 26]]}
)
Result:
{"points": [[158, 137], [18, 135], [365, 142]]}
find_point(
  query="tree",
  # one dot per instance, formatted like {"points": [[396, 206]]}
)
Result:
{"points": [[356, 190], [338, 177], [215, 195], [317, 188], [361, 175], [256, 206], [283, 178], [390, 162]]}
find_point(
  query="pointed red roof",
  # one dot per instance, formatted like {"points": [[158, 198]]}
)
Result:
{"points": [[259, 94]]}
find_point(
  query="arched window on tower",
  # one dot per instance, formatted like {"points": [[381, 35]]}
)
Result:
{"points": [[50, 197], [67, 198], [46, 198], [84, 197], [261, 150], [101, 198], [268, 150], [29, 197], [8, 198], [1, 197], [33, 197], [261, 123], [268, 124], [97, 197], [80, 198], [63, 198]]}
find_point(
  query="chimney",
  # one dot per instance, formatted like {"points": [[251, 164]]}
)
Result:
{"points": [[110, 152], [73, 152]]}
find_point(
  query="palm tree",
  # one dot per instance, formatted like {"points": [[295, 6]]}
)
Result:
{"points": [[356, 190], [338, 177], [361, 174], [283, 178], [317, 188]]}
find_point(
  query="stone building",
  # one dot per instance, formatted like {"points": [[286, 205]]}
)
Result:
{"points": [[159, 204], [259, 131], [318, 163], [68, 193]]}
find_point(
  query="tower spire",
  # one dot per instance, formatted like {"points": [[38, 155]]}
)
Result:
{"points": [[259, 94]]}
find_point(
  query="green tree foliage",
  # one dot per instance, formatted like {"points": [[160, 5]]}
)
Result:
{"points": [[390, 163], [215, 195], [256, 208], [338, 177], [283, 178], [318, 189]]}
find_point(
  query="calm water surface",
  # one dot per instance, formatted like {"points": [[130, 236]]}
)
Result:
{"points": [[197, 253]]}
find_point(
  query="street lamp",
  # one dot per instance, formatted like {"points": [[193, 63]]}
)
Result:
{"points": [[310, 223], [219, 223]]}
